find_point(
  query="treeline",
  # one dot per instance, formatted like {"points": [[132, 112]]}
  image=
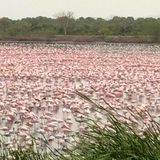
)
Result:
{"points": [[66, 24]]}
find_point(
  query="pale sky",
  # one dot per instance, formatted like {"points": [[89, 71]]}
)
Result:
{"points": [[17, 9]]}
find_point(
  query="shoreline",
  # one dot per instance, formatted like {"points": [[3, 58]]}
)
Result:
{"points": [[76, 39]]}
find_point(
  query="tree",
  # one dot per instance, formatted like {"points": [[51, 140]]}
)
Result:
{"points": [[64, 20], [4, 24], [104, 30]]}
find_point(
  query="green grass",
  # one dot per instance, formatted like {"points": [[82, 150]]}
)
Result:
{"points": [[24, 154], [115, 141], [118, 141]]}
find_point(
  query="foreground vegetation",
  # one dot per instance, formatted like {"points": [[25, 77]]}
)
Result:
{"points": [[116, 140], [66, 24]]}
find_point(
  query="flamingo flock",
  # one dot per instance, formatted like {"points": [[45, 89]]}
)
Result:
{"points": [[37, 84]]}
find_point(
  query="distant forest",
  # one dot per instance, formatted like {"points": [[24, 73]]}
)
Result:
{"points": [[66, 24]]}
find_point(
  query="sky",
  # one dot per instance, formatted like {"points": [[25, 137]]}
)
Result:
{"points": [[17, 9]]}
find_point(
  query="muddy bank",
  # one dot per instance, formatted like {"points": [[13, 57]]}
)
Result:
{"points": [[80, 38]]}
